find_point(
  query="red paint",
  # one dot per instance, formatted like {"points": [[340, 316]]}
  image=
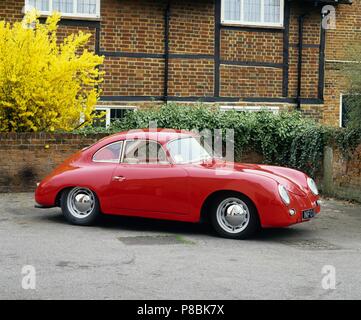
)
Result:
{"points": [[173, 191]]}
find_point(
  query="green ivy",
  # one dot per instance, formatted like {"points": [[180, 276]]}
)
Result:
{"points": [[286, 138], [347, 140]]}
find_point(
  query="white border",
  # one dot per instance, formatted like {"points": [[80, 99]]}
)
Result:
{"points": [[241, 22], [74, 14]]}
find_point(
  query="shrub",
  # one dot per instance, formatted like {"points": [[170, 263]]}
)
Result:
{"points": [[45, 85], [284, 139], [346, 140]]}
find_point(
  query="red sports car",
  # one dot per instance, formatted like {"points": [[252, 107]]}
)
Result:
{"points": [[167, 174]]}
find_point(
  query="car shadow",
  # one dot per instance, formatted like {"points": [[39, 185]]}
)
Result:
{"points": [[281, 234], [143, 224], [123, 223]]}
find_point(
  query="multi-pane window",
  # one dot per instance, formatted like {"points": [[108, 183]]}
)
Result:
{"points": [[64, 6], [41, 5], [87, 6], [253, 12], [109, 114], [68, 8]]}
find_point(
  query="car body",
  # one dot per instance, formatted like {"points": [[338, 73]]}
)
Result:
{"points": [[172, 189]]}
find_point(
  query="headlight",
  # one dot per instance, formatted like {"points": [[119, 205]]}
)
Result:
{"points": [[312, 185], [284, 194]]}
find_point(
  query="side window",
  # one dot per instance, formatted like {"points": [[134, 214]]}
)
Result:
{"points": [[67, 8], [110, 153], [144, 151], [253, 12]]}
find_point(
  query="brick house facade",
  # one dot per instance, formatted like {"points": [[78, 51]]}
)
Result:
{"points": [[185, 50]]}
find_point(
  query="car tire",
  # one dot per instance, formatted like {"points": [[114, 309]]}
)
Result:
{"points": [[234, 216], [80, 206]]}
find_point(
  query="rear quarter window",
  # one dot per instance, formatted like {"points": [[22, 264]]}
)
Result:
{"points": [[109, 153]]}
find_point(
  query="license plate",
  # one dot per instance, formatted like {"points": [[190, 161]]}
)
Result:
{"points": [[308, 214]]}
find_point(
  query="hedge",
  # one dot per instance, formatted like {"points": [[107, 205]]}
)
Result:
{"points": [[286, 138]]}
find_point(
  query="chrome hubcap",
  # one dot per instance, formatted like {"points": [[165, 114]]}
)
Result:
{"points": [[81, 202], [233, 215]]}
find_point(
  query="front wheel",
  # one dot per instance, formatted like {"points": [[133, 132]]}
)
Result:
{"points": [[80, 206], [234, 216]]}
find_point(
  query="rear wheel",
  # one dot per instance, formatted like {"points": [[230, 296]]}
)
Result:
{"points": [[80, 206], [234, 216]]}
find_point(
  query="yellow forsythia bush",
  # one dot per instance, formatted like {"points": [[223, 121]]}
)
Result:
{"points": [[45, 85]]}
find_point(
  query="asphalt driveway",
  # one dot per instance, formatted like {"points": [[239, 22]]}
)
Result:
{"points": [[130, 258]]}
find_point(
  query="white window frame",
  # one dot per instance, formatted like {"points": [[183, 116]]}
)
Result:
{"points": [[107, 111], [342, 95], [74, 14], [241, 22], [273, 109], [340, 109]]}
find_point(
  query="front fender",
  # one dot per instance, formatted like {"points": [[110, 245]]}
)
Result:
{"points": [[262, 191]]}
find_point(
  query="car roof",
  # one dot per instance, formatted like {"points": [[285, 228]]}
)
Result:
{"points": [[161, 135]]}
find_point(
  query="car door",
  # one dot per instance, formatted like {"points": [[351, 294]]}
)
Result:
{"points": [[145, 181]]}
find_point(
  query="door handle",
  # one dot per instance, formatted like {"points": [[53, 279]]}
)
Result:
{"points": [[118, 178]]}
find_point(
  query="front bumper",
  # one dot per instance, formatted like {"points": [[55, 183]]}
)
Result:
{"points": [[279, 215]]}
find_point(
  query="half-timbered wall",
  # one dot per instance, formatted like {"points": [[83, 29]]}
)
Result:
{"points": [[208, 61]]}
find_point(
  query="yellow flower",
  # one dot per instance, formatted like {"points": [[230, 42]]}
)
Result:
{"points": [[46, 84]]}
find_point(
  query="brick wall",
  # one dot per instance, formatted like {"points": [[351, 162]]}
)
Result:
{"points": [[335, 84], [347, 32], [133, 77], [132, 26], [251, 81], [254, 46], [310, 50], [342, 175], [10, 11], [189, 77], [27, 158], [64, 31], [192, 27]]}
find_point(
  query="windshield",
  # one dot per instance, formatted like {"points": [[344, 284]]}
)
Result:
{"points": [[187, 150]]}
